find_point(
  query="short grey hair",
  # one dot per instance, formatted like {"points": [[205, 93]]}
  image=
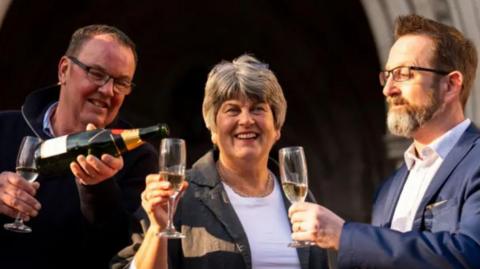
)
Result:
{"points": [[246, 77]]}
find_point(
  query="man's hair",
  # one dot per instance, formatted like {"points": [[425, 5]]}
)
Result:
{"points": [[244, 77], [452, 51], [82, 35]]}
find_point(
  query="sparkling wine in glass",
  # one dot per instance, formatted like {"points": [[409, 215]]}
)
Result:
{"points": [[26, 168], [173, 158], [294, 176]]}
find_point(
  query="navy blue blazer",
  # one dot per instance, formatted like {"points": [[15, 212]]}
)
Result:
{"points": [[446, 228]]}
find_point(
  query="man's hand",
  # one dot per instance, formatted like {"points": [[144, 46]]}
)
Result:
{"points": [[90, 170], [155, 199], [315, 223], [17, 196]]}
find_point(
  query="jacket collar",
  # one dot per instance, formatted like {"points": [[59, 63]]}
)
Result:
{"points": [[394, 194], [35, 106], [206, 167]]}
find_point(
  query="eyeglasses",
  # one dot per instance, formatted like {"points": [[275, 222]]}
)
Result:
{"points": [[99, 78], [404, 73]]}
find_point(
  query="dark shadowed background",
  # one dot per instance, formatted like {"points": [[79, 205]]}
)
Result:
{"points": [[322, 52]]}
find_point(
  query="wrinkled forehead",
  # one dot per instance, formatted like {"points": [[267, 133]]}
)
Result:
{"points": [[105, 52], [408, 50]]}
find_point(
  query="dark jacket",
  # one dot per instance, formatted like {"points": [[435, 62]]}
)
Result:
{"points": [[78, 226], [214, 235], [446, 228]]}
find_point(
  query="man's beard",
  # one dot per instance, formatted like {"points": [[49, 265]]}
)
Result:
{"points": [[405, 120]]}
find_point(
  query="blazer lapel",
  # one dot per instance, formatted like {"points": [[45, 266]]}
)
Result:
{"points": [[457, 153], [392, 196]]}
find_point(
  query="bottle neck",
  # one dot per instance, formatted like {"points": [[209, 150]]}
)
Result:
{"points": [[159, 130]]}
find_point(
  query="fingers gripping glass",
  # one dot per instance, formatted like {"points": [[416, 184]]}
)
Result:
{"points": [[173, 158], [100, 78], [404, 73], [26, 168], [294, 176]]}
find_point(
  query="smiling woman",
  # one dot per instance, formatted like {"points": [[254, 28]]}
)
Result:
{"points": [[233, 199], [244, 108], [249, 109], [245, 131]]}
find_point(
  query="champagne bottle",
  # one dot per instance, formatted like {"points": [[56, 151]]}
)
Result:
{"points": [[53, 156]]}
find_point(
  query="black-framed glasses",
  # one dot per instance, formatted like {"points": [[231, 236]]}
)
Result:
{"points": [[100, 78], [404, 73]]}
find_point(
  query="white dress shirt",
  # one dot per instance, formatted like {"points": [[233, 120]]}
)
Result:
{"points": [[422, 169]]}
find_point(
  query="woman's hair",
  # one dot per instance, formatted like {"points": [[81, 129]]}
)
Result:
{"points": [[244, 77]]}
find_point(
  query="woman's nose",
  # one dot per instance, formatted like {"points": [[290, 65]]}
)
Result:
{"points": [[246, 118]]}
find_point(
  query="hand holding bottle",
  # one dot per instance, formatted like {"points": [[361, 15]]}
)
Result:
{"points": [[18, 195], [90, 170], [54, 156]]}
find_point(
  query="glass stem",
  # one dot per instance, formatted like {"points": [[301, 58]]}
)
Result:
{"points": [[171, 210], [18, 219]]}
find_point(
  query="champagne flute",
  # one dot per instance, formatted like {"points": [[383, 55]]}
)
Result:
{"points": [[173, 158], [25, 167], [294, 177]]}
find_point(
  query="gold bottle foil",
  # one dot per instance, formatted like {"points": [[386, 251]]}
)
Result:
{"points": [[131, 138]]}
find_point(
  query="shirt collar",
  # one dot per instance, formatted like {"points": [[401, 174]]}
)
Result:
{"points": [[440, 147], [47, 120]]}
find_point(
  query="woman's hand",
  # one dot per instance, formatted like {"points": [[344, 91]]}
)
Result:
{"points": [[153, 250], [155, 199]]}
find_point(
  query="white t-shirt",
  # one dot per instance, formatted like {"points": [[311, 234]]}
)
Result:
{"points": [[265, 221]]}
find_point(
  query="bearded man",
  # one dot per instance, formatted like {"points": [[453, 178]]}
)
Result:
{"points": [[427, 215]]}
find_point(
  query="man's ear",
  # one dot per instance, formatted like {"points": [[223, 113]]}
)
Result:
{"points": [[62, 70], [454, 85]]}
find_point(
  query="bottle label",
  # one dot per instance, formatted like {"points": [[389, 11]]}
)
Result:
{"points": [[131, 138], [53, 147]]}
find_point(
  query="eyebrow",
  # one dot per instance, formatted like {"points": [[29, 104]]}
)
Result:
{"points": [[103, 70], [405, 63], [238, 103]]}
